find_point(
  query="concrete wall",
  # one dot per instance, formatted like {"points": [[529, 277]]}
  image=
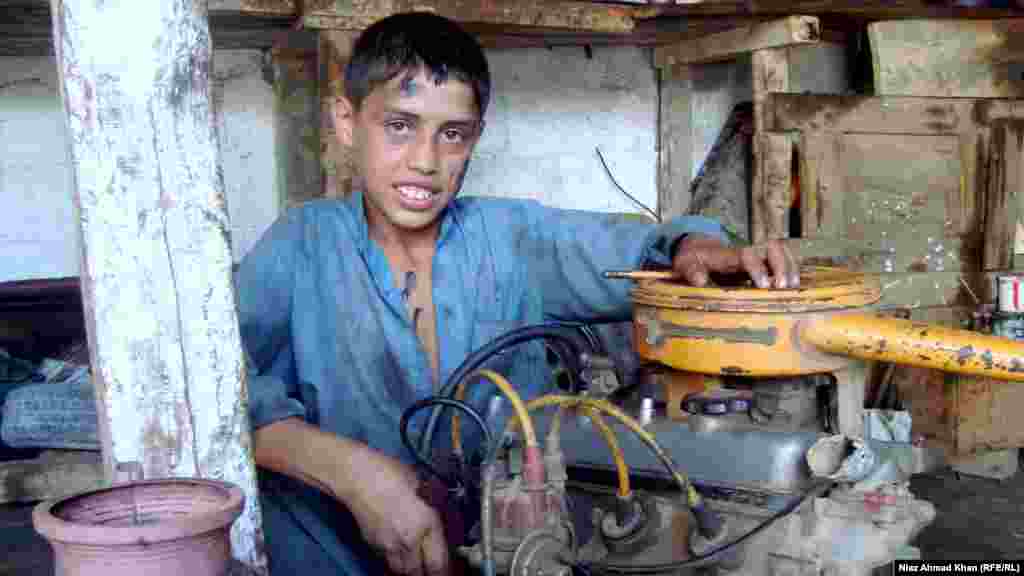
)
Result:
{"points": [[38, 227], [551, 108]]}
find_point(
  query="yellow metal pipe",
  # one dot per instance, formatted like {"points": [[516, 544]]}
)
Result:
{"points": [[914, 343]]}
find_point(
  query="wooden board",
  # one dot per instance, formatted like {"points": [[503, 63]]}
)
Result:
{"points": [[1005, 192], [770, 70], [964, 415], [789, 31], [773, 196], [297, 140], [165, 348], [953, 58], [905, 177], [256, 7], [559, 14], [338, 176], [868, 9], [675, 141]]}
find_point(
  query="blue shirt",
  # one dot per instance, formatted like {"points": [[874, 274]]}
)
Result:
{"points": [[330, 340]]}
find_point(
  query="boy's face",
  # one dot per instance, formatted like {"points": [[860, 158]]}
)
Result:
{"points": [[412, 140]]}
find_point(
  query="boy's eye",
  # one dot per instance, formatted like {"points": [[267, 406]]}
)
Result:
{"points": [[452, 135], [398, 126]]}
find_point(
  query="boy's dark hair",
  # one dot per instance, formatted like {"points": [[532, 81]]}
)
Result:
{"points": [[404, 42]]}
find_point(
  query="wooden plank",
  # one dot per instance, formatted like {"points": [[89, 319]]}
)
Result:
{"points": [[770, 69], [770, 74], [675, 141], [821, 202], [964, 415], [1006, 182], [338, 171], [868, 9], [157, 269], [256, 7], [915, 195], [851, 387], [883, 114], [564, 14], [951, 58], [297, 118], [54, 474], [789, 31], [772, 201]]}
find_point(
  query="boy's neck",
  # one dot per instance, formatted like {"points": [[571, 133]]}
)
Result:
{"points": [[412, 243]]}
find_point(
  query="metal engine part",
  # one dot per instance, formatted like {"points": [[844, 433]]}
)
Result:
{"points": [[749, 468]]}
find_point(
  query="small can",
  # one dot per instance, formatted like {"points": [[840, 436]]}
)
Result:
{"points": [[1008, 325], [1011, 293]]}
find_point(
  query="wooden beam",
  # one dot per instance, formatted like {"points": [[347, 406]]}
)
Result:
{"points": [[675, 141], [789, 31], [297, 141], [156, 272], [1005, 188], [770, 72], [773, 197], [565, 14], [256, 7], [883, 115], [952, 58], [867, 9], [338, 169]]}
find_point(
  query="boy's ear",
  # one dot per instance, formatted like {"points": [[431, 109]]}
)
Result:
{"points": [[344, 119]]}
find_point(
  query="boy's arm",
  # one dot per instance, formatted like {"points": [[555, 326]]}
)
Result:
{"points": [[569, 251], [380, 492]]}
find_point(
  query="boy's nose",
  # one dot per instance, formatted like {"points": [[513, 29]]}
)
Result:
{"points": [[423, 157]]}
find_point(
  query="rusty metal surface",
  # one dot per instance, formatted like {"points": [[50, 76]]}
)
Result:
{"points": [[821, 327], [871, 337], [821, 289], [731, 343]]}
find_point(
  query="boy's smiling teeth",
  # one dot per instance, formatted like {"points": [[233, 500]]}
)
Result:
{"points": [[415, 192]]}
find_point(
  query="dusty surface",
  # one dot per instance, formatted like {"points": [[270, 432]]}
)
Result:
{"points": [[978, 519]]}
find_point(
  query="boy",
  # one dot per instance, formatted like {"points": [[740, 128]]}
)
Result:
{"points": [[353, 309]]}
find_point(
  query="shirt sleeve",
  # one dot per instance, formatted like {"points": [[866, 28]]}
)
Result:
{"points": [[573, 248], [264, 285]]}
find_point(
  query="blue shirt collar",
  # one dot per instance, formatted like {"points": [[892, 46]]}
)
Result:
{"points": [[354, 203]]}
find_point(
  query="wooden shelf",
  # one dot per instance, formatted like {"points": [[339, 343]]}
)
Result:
{"points": [[260, 24]]}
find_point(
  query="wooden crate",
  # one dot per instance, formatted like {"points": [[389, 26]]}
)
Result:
{"points": [[964, 415], [924, 192]]}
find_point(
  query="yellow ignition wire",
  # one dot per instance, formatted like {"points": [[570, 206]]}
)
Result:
{"points": [[613, 444], [460, 395], [693, 498], [522, 415]]}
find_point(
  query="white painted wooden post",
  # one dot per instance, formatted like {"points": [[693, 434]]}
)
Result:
{"points": [[156, 263]]}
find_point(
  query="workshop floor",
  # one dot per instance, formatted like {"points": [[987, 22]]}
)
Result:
{"points": [[978, 519]]}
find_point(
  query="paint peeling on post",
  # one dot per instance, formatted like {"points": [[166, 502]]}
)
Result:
{"points": [[156, 260]]}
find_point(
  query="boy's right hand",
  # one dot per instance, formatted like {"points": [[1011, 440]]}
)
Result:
{"points": [[382, 495]]}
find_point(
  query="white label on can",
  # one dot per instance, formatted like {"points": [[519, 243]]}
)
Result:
{"points": [[1011, 294]]}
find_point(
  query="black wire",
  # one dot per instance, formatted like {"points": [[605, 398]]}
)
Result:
{"points": [[623, 190], [435, 401], [709, 557], [564, 332]]}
